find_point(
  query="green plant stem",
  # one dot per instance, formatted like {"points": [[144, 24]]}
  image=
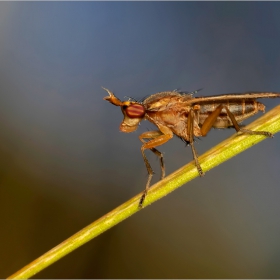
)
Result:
{"points": [[215, 156]]}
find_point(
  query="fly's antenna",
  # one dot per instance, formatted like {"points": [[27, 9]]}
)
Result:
{"points": [[112, 98]]}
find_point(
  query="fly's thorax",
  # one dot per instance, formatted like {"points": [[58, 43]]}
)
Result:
{"points": [[163, 117], [133, 113]]}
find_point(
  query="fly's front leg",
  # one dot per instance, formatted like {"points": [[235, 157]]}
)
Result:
{"points": [[159, 139], [151, 135], [191, 140]]}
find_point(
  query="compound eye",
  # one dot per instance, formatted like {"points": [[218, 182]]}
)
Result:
{"points": [[135, 111]]}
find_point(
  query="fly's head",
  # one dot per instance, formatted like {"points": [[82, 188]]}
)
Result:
{"points": [[133, 112]]}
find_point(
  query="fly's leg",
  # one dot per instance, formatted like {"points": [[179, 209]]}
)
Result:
{"points": [[191, 140], [159, 139], [246, 131], [151, 135], [211, 119]]}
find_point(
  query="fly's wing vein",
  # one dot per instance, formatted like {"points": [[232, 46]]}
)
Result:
{"points": [[232, 96]]}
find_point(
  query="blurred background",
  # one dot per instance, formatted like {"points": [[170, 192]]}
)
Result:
{"points": [[64, 163]]}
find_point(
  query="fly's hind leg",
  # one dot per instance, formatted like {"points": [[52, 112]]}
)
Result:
{"points": [[158, 138], [211, 119], [244, 130]]}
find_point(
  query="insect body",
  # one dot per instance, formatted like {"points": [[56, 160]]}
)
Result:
{"points": [[187, 117]]}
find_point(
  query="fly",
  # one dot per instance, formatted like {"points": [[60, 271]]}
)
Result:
{"points": [[187, 117]]}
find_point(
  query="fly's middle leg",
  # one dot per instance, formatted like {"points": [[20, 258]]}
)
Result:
{"points": [[191, 140]]}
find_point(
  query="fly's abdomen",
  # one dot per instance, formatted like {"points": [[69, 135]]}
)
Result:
{"points": [[241, 109]]}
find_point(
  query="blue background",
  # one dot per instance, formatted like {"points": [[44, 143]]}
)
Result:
{"points": [[64, 162]]}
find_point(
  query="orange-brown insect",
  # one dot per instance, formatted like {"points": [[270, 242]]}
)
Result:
{"points": [[187, 117]]}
